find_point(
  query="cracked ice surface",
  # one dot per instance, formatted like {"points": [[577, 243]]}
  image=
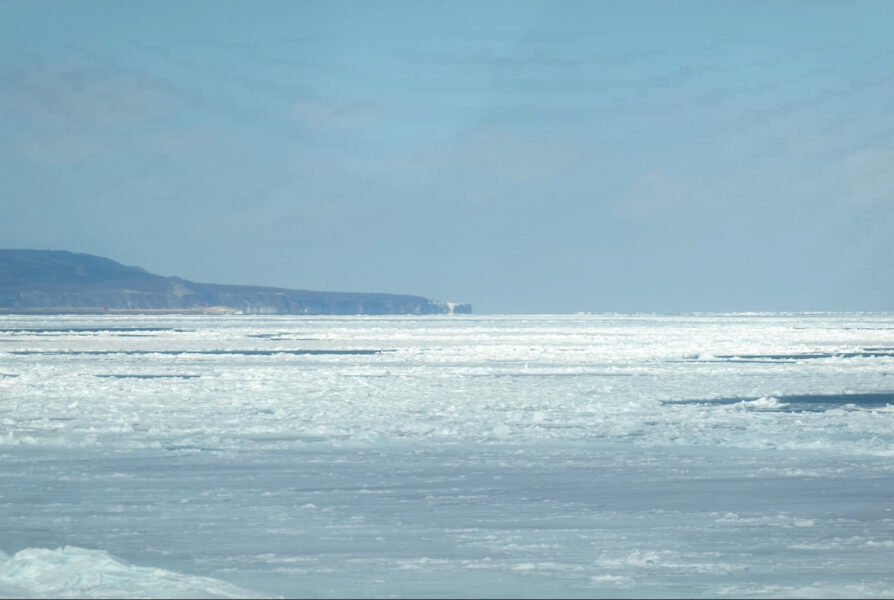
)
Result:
{"points": [[707, 455]]}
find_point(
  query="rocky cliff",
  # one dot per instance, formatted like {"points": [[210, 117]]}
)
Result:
{"points": [[48, 279]]}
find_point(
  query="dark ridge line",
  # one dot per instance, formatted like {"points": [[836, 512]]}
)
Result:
{"points": [[265, 335], [210, 352], [280, 336], [137, 376], [9, 374], [591, 374], [802, 356], [742, 360], [81, 334], [803, 402], [85, 329], [177, 448]]}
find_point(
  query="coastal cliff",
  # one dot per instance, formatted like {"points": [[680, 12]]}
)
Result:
{"points": [[51, 280]]}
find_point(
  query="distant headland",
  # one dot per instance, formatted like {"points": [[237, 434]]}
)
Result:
{"points": [[60, 282]]}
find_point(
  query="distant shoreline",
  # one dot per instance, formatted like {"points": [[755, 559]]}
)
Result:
{"points": [[58, 282]]}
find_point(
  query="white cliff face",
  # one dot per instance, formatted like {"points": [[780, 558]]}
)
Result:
{"points": [[452, 308]]}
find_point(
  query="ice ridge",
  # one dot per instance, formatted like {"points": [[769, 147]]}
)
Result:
{"points": [[73, 572]]}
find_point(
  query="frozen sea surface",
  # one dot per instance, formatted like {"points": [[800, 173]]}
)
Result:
{"points": [[703, 455]]}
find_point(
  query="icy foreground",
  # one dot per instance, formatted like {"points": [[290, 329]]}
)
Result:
{"points": [[78, 573], [727, 455]]}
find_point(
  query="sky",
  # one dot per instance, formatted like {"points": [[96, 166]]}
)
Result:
{"points": [[525, 157]]}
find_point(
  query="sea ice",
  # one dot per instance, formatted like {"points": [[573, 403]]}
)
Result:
{"points": [[574, 456], [72, 572]]}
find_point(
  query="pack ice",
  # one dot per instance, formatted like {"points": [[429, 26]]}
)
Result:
{"points": [[734, 455]]}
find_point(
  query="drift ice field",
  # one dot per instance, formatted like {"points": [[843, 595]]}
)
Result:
{"points": [[523, 456]]}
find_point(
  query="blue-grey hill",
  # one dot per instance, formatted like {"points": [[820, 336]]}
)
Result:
{"points": [[60, 281]]}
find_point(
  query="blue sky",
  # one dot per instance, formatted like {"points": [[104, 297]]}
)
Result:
{"points": [[521, 156]]}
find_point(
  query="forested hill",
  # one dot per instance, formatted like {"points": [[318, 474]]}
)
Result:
{"points": [[56, 279]]}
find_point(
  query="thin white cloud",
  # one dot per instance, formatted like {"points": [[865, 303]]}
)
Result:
{"points": [[334, 114], [657, 192], [866, 179], [77, 91], [73, 110]]}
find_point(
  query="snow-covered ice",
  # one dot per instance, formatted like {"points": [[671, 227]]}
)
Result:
{"points": [[705, 455], [80, 573]]}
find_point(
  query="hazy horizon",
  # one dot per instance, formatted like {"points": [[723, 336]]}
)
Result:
{"points": [[523, 157]]}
